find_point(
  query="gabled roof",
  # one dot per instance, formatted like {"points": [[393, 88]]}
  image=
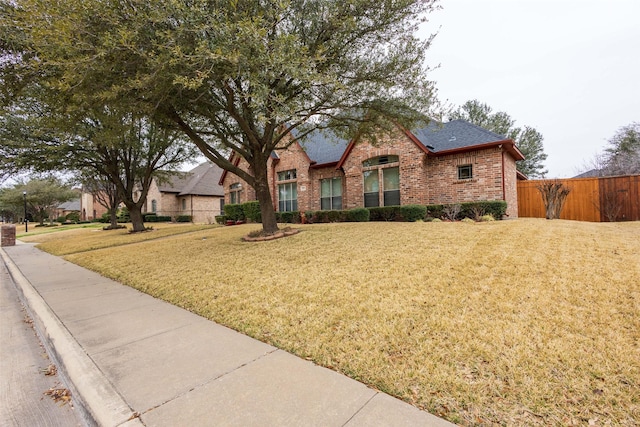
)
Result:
{"points": [[203, 180], [456, 134], [323, 147], [72, 205]]}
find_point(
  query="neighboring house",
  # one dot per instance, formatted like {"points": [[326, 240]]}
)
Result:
{"points": [[72, 206], [452, 162], [90, 208], [591, 173], [196, 193]]}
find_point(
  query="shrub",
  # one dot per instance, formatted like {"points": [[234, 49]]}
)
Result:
{"points": [[326, 216], [234, 212], [358, 215], [73, 217], [150, 218], [412, 213], [221, 219], [465, 219], [436, 220], [384, 213], [288, 217], [251, 211], [487, 218], [435, 211], [184, 218], [452, 211]]}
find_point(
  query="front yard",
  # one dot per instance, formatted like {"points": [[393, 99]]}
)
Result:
{"points": [[523, 322]]}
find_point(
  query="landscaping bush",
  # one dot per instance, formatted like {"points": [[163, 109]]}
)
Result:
{"points": [[475, 210], [487, 218], [288, 217], [184, 218], [412, 213], [234, 212], [326, 216], [221, 219], [358, 215], [73, 217], [435, 211], [251, 211], [150, 217], [384, 213]]}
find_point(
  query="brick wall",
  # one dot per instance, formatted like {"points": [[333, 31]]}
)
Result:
{"points": [[7, 235], [423, 179]]}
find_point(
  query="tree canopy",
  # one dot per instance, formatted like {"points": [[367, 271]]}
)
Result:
{"points": [[43, 196], [622, 154], [232, 76], [527, 139]]}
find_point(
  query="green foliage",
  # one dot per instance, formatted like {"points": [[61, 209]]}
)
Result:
{"points": [[156, 218], [288, 217], [475, 210], [251, 211], [221, 219], [123, 215], [42, 197], [195, 65], [234, 212], [72, 217], [528, 140], [487, 218], [183, 218], [358, 215], [413, 213], [326, 216], [383, 213], [622, 156]]}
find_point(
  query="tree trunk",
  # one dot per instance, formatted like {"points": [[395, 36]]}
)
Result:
{"points": [[269, 222], [113, 217], [135, 214]]}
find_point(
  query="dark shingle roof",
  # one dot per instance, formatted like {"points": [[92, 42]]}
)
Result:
{"points": [[590, 174], [323, 147], [453, 135], [200, 181], [72, 205]]}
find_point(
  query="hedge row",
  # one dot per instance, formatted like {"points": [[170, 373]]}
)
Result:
{"points": [[250, 211]]}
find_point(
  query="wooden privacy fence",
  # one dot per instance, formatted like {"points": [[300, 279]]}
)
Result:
{"points": [[596, 199]]}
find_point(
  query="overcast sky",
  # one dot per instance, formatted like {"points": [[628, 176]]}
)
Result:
{"points": [[569, 68]]}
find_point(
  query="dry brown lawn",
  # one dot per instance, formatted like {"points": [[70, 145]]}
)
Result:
{"points": [[523, 322]]}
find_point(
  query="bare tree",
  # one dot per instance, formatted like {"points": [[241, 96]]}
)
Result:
{"points": [[554, 194]]}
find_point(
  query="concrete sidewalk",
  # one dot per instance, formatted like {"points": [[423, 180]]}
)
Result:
{"points": [[131, 359]]}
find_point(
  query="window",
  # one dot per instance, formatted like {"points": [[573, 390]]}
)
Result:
{"points": [[221, 206], [234, 193], [154, 206], [391, 186], [331, 193], [287, 175], [390, 181], [465, 172], [184, 204], [371, 188], [380, 160], [288, 197]]}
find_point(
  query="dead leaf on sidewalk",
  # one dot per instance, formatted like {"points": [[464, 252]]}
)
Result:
{"points": [[59, 395], [50, 370]]}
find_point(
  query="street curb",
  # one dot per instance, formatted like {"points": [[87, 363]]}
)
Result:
{"points": [[93, 394]]}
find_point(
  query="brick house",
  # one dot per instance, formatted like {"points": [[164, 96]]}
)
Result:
{"points": [[196, 193], [441, 163]]}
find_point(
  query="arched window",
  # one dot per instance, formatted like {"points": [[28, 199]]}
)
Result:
{"points": [[154, 206], [382, 172]]}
